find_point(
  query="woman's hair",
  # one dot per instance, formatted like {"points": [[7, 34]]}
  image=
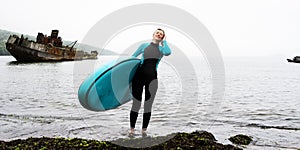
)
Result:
{"points": [[162, 31]]}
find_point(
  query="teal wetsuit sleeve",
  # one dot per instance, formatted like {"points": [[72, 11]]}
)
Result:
{"points": [[165, 50], [138, 51]]}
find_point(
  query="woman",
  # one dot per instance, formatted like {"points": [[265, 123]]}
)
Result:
{"points": [[146, 75]]}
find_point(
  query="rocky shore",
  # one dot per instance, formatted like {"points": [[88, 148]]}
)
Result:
{"points": [[178, 141]]}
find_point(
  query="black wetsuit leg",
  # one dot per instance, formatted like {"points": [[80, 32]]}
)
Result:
{"points": [[137, 91], [146, 75], [150, 92]]}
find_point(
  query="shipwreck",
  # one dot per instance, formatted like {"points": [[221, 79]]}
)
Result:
{"points": [[296, 59], [45, 48]]}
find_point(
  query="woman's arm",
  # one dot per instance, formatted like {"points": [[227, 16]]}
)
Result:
{"points": [[165, 49], [138, 51]]}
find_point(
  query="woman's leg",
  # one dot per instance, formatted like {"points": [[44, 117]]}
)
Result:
{"points": [[137, 91], [150, 92]]}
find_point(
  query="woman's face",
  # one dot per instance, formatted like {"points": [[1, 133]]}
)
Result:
{"points": [[158, 35]]}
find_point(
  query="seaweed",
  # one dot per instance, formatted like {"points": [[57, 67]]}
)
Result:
{"points": [[178, 141]]}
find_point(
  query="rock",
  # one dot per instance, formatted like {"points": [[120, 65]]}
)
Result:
{"points": [[241, 139]]}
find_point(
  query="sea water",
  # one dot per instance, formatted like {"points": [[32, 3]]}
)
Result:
{"points": [[259, 97]]}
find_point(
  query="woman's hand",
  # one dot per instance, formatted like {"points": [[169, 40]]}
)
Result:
{"points": [[162, 41]]}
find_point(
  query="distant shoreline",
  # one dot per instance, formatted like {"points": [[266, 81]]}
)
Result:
{"points": [[4, 52]]}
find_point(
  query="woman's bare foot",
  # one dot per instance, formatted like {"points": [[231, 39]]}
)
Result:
{"points": [[144, 133], [131, 131]]}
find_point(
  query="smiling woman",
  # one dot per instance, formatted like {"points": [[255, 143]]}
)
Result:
{"points": [[146, 76]]}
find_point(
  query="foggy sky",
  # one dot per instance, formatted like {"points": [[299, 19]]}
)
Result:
{"points": [[240, 27]]}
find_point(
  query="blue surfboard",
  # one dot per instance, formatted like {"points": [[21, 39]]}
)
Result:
{"points": [[109, 86]]}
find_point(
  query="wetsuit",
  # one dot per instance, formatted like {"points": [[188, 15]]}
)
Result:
{"points": [[146, 76]]}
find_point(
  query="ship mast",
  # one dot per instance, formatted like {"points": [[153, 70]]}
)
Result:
{"points": [[72, 45]]}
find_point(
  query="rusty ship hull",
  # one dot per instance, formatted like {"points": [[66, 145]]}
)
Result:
{"points": [[43, 49], [25, 54]]}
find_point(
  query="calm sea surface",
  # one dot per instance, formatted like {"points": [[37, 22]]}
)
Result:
{"points": [[261, 99]]}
